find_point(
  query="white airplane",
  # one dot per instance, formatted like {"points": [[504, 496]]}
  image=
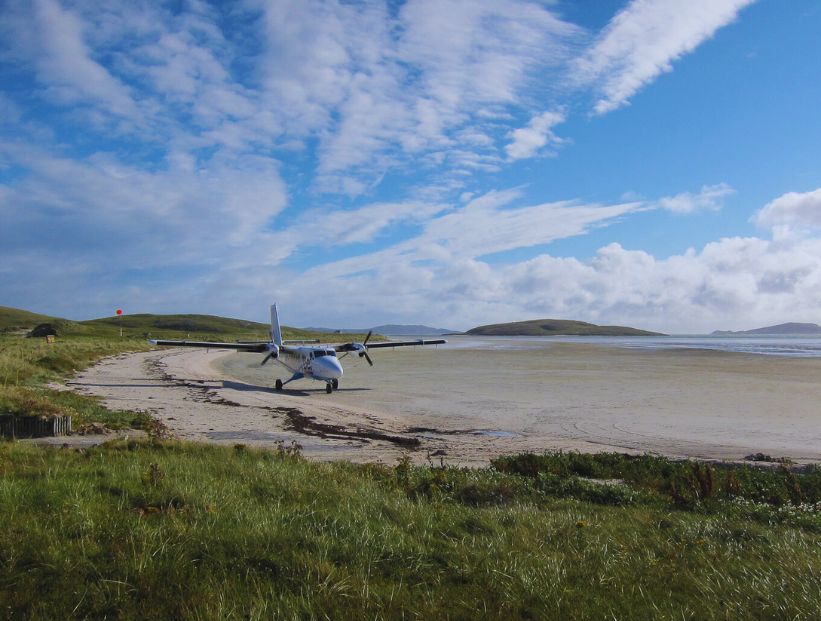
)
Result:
{"points": [[318, 363]]}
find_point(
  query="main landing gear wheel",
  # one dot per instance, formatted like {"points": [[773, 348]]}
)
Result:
{"points": [[329, 388], [278, 384], [335, 383]]}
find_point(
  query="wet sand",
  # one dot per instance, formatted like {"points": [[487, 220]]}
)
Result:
{"points": [[477, 398]]}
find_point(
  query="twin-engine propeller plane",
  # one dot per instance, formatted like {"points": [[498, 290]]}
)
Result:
{"points": [[318, 362]]}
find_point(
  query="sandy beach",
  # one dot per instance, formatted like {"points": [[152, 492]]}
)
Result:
{"points": [[477, 398]]}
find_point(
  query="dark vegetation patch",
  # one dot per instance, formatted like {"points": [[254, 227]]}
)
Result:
{"points": [[684, 482], [310, 426], [43, 330]]}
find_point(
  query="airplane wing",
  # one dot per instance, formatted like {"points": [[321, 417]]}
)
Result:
{"points": [[252, 347], [406, 343], [357, 346]]}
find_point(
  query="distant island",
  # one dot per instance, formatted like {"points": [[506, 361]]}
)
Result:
{"points": [[557, 327], [794, 329]]}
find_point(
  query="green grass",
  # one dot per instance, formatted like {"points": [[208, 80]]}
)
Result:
{"points": [[138, 531], [27, 365]]}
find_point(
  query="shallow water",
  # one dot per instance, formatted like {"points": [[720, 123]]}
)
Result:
{"points": [[793, 347]]}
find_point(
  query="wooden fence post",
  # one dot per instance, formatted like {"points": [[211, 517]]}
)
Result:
{"points": [[12, 426]]}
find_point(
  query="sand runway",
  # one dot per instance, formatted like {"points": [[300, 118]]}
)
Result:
{"points": [[477, 398]]}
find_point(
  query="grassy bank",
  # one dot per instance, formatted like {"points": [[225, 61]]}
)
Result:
{"points": [[28, 365], [184, 531]]}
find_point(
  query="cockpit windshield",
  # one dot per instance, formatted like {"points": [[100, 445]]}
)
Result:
{"points": [[328, 352]]}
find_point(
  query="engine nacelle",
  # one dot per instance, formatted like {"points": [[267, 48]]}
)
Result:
{"points": [[273, 352]]}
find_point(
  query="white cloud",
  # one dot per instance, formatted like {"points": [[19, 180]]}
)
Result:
{"points": [[486, 225], [55, 38], [709, 198], [366, 88], [481, 229], [529, 140], [88, 209], [485, 55], [378, 89], [440, 277], [733, 283], [197, 106], [323, 228], [644, 39], [800, 210]]}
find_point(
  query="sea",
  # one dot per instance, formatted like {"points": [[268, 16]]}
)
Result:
{"points": [[788, 346]]}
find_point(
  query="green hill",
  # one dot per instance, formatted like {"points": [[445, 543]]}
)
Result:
{"points": [[556, 327], [145, 323], [14, 319], [202, 327]]}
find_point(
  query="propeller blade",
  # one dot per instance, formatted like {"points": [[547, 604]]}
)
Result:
{"points": [[367, 357], [365, 342], [274, 353]]}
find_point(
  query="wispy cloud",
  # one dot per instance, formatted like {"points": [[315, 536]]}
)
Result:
{"points": [[419, 82], [53, 38], [91, 208], [709, 198], [644, 39], [362, 88], [529, 140], [204, 145], [486, 225], [321, 228]]}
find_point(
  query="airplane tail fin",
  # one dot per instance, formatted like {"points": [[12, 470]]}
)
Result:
{"points": [[276, 334]]}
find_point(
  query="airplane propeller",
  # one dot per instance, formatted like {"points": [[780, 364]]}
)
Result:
{"points": [[273, 353], [363, 353], [360, 348]]}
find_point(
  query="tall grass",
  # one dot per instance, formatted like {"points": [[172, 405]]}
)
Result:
{"points": [[26, 365], [183, 531], [32, 361]]}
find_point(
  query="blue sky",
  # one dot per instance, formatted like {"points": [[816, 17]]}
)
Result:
{"points": [[654, 163]]}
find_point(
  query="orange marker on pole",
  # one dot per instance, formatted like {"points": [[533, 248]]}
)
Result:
{"points": [[120, 314]]}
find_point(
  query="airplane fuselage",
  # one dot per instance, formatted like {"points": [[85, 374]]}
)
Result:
{"points": [[319, 363]]}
